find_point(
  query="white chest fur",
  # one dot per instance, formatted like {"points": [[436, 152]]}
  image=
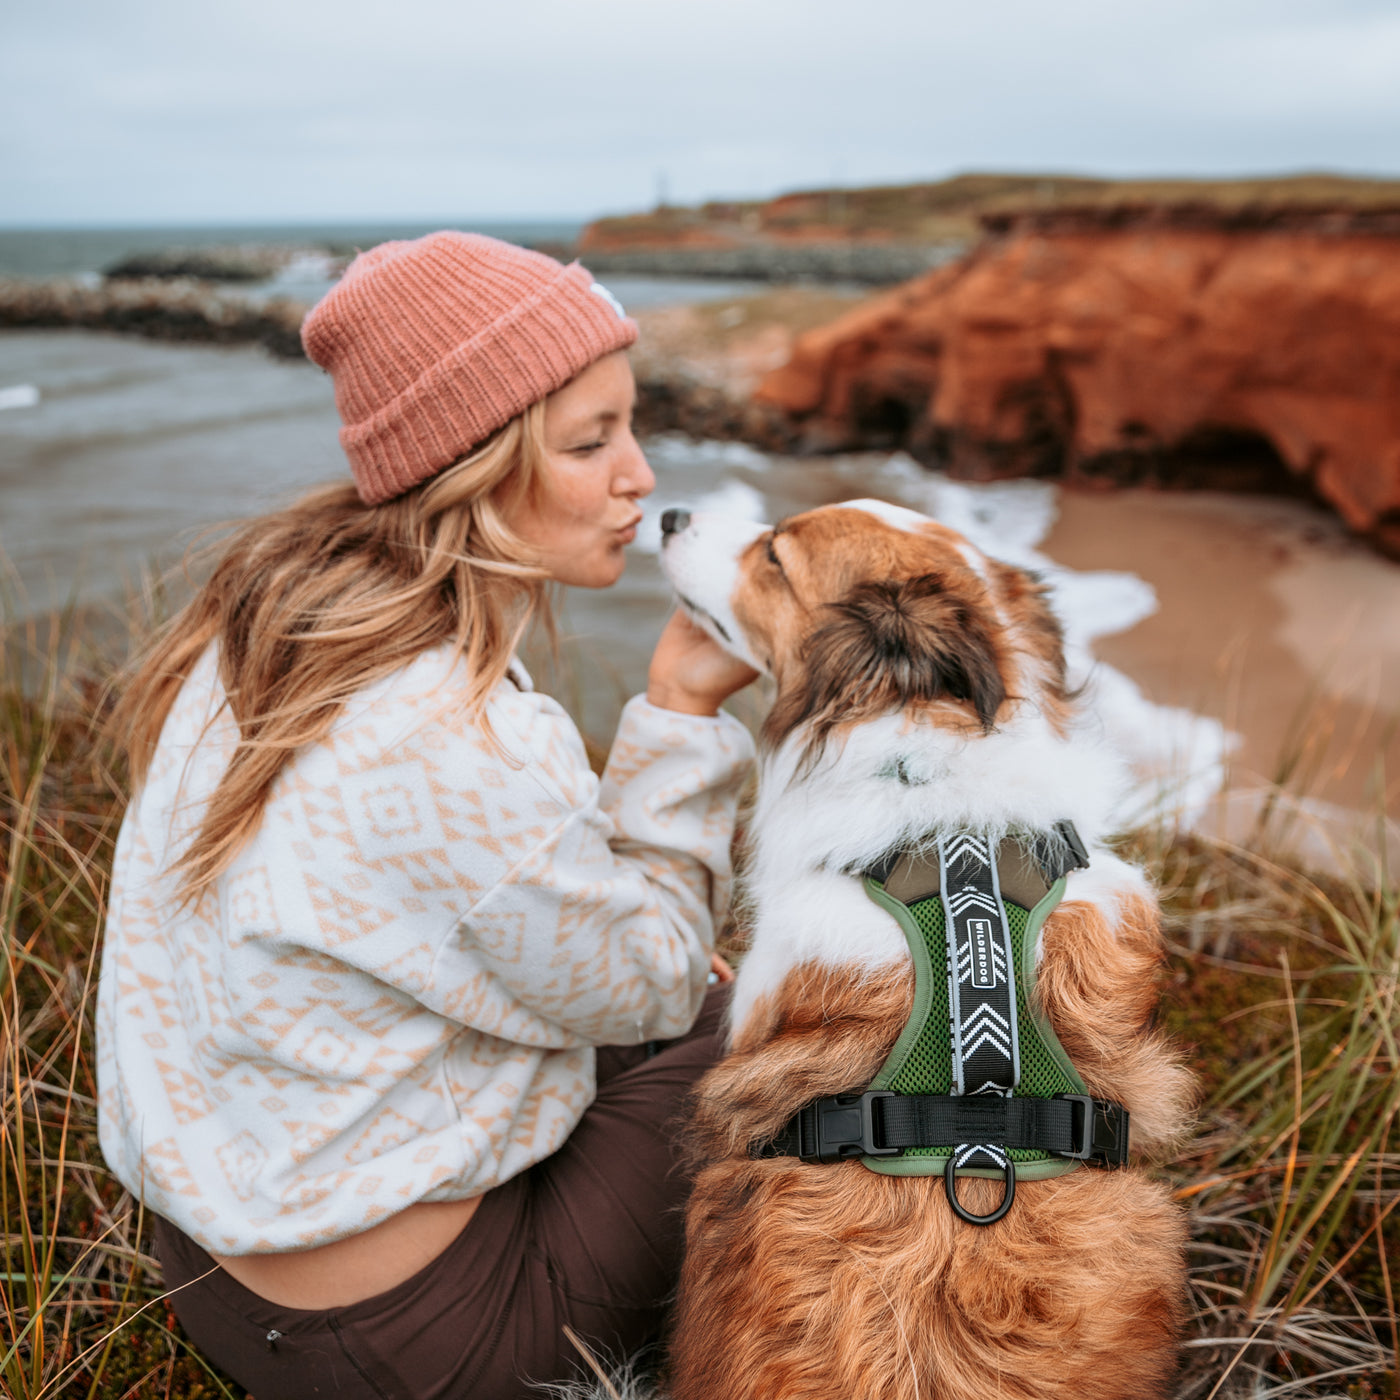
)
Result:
{"points": [[888, 782]]}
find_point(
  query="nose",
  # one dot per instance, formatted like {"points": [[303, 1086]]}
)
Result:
{"points": [[673, 521]]}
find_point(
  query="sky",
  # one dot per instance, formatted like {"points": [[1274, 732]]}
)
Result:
{"points": [[262, 111]]}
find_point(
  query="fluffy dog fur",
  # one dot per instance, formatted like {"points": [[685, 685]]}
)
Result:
{"points": [[920, 686]]}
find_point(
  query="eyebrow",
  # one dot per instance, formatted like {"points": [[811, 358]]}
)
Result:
{"points": [[570, 433], [594, 420]]}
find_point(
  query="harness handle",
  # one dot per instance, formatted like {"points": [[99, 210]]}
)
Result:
{"points": [[950, 1184]]}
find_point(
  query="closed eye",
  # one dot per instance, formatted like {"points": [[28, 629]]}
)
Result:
{"points": [[772, 552]]}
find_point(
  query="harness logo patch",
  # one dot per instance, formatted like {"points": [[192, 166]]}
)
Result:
{"points": [[979, 932]]}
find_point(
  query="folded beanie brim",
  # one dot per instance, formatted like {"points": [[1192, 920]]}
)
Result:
{"points": [[549, 324]]}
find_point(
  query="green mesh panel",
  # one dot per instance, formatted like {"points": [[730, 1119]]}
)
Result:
{"points": [[928, 1068]]}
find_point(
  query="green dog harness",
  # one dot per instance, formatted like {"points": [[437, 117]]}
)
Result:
{"points": [[977, 1084]]}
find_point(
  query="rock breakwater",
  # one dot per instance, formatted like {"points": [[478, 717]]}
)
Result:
{"points": [[1164, 349], [875, 264], [159, 308], [671, 399], [239, 262], [251, 264]]}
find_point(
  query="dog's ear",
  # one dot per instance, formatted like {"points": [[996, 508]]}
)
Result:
{"points": [[1025, 602], [888, 646]]}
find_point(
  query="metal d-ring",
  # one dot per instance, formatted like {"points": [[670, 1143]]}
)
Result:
{"points": [[950, 1182]]}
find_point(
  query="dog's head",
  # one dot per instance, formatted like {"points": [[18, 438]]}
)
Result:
{"points": [[864, 609]]}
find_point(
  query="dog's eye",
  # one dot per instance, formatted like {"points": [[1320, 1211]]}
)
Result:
{"points": [[773, 553]]}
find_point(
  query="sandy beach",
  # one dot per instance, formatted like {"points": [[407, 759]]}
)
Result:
{"points": [[1271, 617]]}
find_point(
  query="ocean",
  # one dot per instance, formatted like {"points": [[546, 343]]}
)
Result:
{"points": [[70, 252], [34, 253]]}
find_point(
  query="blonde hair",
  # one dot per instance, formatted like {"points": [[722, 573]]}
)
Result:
{"points": [[310, 604]]}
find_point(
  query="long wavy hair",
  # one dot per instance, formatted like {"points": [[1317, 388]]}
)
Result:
{"points": [[310, 604]]}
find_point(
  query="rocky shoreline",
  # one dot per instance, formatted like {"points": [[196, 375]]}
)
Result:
{"points": [[671, 399], [872, 264], [242, 263], [180, 309]]}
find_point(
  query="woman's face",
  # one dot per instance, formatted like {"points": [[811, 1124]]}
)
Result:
{"points": [[587, 511]]}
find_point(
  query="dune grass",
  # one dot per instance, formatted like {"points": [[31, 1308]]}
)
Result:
{"points": [[1286, 986]]}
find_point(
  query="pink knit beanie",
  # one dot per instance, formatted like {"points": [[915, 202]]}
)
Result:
{"points": [[436, 342]]}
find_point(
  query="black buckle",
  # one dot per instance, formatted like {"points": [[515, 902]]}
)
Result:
{"points": [[1069, 833], [841, 1126], [1100, 1130]]}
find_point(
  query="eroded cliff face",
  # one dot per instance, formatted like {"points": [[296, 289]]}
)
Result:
{"points": [[1213, 355]]}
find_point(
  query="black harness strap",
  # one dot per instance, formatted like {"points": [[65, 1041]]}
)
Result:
{"points": [[878, 1123], [1072, 1125]]}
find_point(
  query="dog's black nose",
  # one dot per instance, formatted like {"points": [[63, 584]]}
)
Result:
{"points": [[673, 521]]}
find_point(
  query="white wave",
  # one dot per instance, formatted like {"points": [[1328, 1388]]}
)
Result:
{"points": [[19, 396], [305, 265], [1178, 758], [676, 452], [1097, 603], [1002, 518]]}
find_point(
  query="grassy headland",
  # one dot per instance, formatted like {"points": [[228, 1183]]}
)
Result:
{"points": [[952, 211], [1288, 988]]}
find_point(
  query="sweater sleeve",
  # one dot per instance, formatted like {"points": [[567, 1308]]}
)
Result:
{"points": [[601, 931]]}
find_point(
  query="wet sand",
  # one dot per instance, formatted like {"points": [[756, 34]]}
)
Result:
{"points": [[1271, 618]]}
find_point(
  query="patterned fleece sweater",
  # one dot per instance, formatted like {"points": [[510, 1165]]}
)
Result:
{"points": [[393, 993]]}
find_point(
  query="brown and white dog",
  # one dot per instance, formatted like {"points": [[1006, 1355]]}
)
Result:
{"points": [[919, 686]]}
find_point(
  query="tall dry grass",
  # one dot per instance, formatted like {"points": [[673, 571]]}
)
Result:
{"points": [[1287, 986], [81, 1308]]}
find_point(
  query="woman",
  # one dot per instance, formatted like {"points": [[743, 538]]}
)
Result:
{"points": [[371, 912]]}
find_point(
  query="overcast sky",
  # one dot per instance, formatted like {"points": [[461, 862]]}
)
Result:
{"points": [[158, 111]]}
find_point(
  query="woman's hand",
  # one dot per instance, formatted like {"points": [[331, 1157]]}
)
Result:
{"points": [[691, 672]]}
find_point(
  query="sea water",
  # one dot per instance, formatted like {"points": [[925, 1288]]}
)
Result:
{"points": [[87, 252]]}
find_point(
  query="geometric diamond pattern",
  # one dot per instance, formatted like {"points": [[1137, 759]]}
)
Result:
{"points": [[394, 990]]}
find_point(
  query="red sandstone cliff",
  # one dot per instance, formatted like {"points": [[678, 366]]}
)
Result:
{"points": [[1067, 346]]}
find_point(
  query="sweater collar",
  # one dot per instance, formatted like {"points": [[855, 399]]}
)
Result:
{"points": [[519, 675]]}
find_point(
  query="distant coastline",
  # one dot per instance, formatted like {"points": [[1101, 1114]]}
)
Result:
{"points": [[71, 252], [891, 234]]}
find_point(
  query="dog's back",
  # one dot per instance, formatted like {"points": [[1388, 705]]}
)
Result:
{"points": [[920, 694], [808, 1280]]}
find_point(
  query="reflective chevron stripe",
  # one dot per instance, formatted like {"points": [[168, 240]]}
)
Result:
{"points": [[981, 980]]}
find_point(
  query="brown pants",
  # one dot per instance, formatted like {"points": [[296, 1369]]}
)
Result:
{"points": [[590, 1238]]}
